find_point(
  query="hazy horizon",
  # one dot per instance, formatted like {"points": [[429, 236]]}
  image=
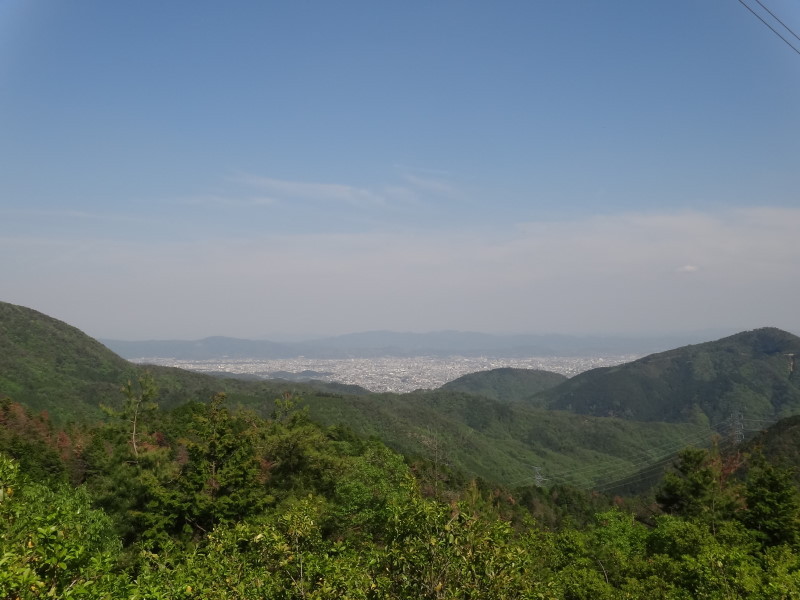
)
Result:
{"points": [[176, 171], [696, 335]]}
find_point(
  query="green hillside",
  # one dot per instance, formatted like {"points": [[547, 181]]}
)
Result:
{"points": [[506, 384], [504, 442], [753, 372], [49, 365]]}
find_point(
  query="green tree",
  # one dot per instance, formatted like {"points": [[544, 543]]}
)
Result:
{"points": [[772, 503], [126, 457], [365, 492], [700, 487], [138, 405], [701, 562], [220, 481]]}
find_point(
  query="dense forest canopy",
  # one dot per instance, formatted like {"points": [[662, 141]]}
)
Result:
{"points": [[205, 502]]}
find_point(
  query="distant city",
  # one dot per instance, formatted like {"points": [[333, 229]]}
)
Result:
{"points": [[386, 361], [387, 374]]}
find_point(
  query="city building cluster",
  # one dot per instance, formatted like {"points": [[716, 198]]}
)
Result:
{"points": [[388, 374]]}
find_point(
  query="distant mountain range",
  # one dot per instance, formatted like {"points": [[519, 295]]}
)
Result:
{"points": [[388, 343]]}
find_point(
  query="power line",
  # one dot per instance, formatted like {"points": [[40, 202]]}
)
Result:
{"points": [[616, 471], [612, 476], [735, 422], [756, 421], [788, 43], [620, 468], [640, 474], [774, 16], [643, 473], [669, 452]]}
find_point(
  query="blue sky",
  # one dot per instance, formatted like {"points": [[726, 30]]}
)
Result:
{"points": [[182, 169]]}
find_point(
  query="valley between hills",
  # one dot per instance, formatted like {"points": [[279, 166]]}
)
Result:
{"points": [[603, 427], [671, 476]]}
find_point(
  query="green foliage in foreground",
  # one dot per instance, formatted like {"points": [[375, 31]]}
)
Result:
{"points": [[52, 542], [425, 549], [204, 502]]}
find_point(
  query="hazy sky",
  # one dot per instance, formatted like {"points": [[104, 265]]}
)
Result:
{"points": [[183, 169]]}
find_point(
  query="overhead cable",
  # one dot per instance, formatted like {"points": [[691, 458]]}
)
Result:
{"points": [[760, 18], [774, 16]]}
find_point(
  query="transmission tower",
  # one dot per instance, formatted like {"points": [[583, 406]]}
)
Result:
{"points": [[737, 427], [538, 478]]}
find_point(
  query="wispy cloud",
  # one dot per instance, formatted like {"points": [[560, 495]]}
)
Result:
{"points": [[412, 189], [322, 192], [438, 186], [223, 201]]}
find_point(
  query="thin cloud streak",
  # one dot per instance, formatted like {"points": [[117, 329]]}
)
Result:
{"points": [[220, 201], [325, 192], [429, 184], [413, 190]]}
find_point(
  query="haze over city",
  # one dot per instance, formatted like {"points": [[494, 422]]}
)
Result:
{"points": [[180, 170]]}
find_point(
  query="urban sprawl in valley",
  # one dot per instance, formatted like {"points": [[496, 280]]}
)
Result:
{"points": [[388, 374]]}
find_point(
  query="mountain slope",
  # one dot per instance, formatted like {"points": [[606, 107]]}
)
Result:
{"points": [[753, 372], [49, 365], [505, 442], [507, 384]]}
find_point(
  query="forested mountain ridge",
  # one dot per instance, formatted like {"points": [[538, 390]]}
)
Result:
{"points": [[477, 435], [48, 364], [51, 366], [494, 433], [753, 373]]}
